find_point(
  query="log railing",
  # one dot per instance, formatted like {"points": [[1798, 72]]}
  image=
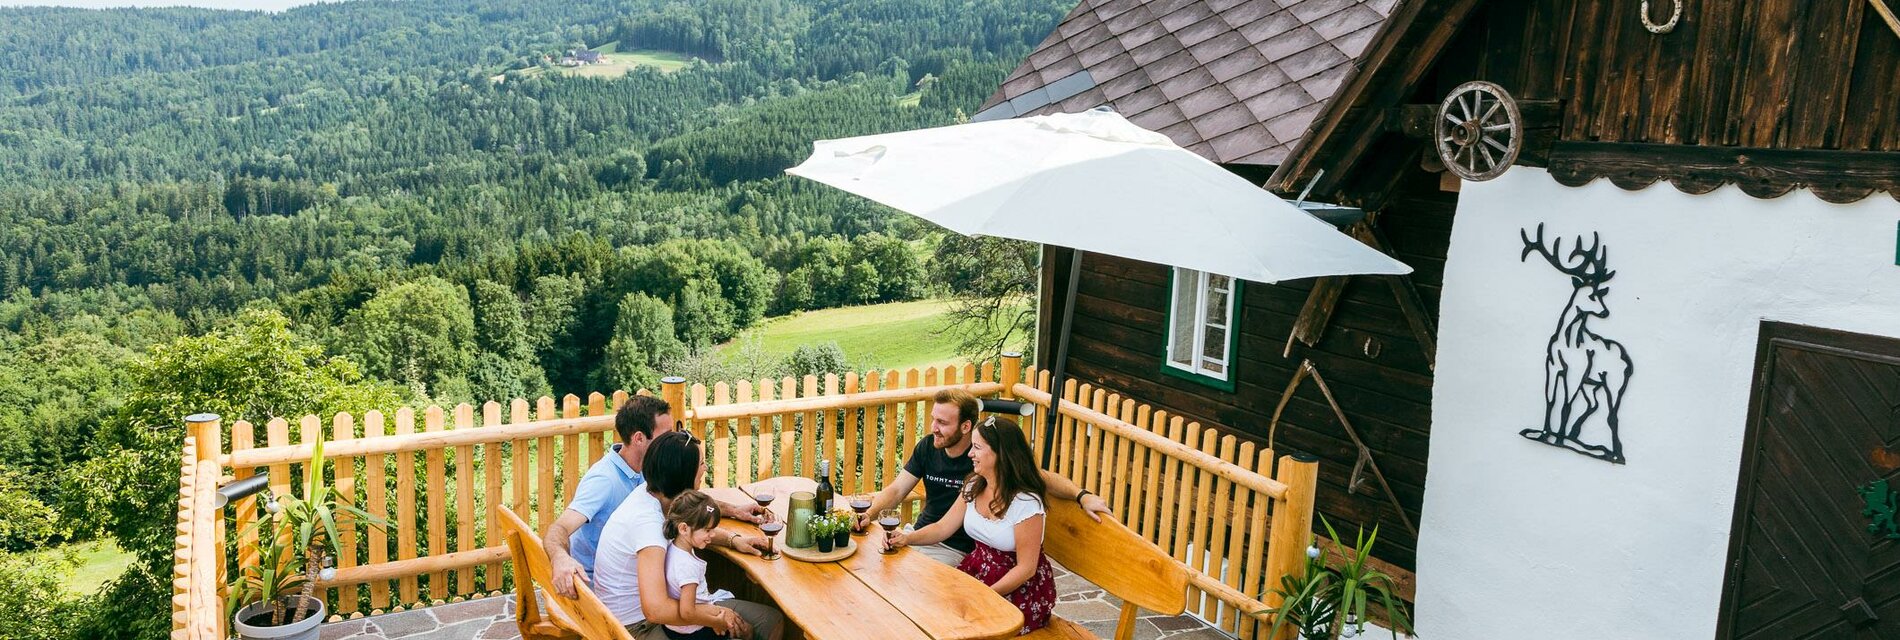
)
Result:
{"points": [[1218, 505], [198, 550], [434, 475]]}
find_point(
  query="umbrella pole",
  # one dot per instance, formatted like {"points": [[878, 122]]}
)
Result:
{"points": [[1062, 359]]}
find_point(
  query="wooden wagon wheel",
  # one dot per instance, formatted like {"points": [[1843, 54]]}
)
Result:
{"points": [[1479, 131]]}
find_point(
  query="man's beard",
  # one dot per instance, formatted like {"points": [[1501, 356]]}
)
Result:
{"points": [[945, 443]]}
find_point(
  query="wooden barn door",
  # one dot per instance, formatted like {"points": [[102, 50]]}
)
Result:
{"points": [[1824, 422]]}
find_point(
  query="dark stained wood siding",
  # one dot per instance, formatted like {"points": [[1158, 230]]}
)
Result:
{"points": [[1118, 343], [1779, 74]]}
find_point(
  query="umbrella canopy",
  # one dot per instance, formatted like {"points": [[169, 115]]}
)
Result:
{"points": [[1095, 182]]}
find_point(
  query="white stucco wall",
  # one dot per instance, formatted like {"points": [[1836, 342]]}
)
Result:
{"points": [[1525, 540]]}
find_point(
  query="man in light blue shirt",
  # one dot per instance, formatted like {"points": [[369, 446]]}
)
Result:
{"points": [[575, 536]]}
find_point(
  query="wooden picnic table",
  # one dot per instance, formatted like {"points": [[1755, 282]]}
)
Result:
{"points": [[904, 595]]}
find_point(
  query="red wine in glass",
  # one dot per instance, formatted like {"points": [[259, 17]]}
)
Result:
{"points": [[860, 505], [771, 529], [765, 502], [889, 519]]}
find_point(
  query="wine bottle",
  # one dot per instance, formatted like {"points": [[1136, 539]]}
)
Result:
{"points": [[824, 485]]}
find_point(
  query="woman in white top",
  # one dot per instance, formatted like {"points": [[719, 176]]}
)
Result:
{"points": [[1001, 509]]}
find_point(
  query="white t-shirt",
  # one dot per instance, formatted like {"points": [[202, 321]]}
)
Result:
{"points": [[638, 524], [1000, 534], [684, 568]]}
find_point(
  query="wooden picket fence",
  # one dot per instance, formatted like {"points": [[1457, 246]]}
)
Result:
{"points": [[1236, 519], [435, 477]]}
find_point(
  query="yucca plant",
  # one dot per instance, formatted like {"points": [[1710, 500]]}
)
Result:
{"points": [[1330, 601], [293, 525]]}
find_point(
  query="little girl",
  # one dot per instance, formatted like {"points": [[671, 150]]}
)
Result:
{"points": [[689, 525]]}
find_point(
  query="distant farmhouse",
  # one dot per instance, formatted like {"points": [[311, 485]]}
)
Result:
{"points": [[576, 58]]}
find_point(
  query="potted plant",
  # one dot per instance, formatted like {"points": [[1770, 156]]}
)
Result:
{"points": [[823, 531], [275, 599], [1329, 602], [841, 535]]}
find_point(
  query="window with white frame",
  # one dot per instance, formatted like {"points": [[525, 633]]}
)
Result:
{"points": [[1200, 324]]}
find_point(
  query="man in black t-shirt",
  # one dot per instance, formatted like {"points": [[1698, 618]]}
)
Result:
{"points": [[942, 462]]}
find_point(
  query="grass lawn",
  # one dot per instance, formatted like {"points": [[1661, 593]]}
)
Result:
{"points": [[665, 61], [893, 336], [618, 63], [99, 562]]}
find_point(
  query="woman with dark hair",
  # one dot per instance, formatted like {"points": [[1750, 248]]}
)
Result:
{"points": [[1001, 508], [630, 568]]}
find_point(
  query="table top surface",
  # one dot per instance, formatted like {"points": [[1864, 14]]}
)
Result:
{"points": [[901, 595]]}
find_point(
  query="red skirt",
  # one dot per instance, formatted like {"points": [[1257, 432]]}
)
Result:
{"points": [[1036, 597]]}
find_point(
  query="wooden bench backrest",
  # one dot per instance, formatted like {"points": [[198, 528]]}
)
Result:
{"points": [[1114, 558], [585, 616]]}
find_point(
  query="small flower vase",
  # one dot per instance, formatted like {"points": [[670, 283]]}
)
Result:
{"points": [[824, 544], [842, 539]]}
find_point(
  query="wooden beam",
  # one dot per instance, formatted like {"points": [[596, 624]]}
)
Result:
{"points": [[438, 440], [1886, 13], [1383, 43], [415, 567], [1195, 457], [1316, 313], [1834, 176], [1414, 65]]}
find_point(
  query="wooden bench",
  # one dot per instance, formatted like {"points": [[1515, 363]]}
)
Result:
{"points": [[1117, 560], [583, 617]]}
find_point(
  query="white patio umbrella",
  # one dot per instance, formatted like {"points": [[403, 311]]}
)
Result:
{"points": [[1091, 181]]}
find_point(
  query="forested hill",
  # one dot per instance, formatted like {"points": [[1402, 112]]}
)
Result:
{"points": [[377, 203]]}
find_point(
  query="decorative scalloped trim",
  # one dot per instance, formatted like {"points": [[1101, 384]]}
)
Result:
{"points": [[1837, 177]]}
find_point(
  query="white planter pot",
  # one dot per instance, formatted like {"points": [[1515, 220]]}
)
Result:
{"points": [[305, 629]]}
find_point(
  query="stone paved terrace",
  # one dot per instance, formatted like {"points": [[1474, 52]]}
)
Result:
{"points": [[493, 618]]}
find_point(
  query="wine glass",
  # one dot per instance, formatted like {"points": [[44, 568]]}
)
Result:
{"points": [[889, 519], [771, 528], [859, 505], [765, 502]]}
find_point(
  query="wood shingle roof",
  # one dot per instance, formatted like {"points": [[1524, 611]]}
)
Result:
{"points": [[1237, 81]]}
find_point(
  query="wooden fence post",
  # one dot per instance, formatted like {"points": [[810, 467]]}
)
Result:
{"points": [[1292, 526], [207, 430], [673, 391], [1012, 373]]}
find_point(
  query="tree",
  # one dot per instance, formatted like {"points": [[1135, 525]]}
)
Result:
{"points": [[794, 292], [250, 368], [702, 315], [505, 365], [816, 359], [421, 333], [900, 275], [993, 284], [553, 318], [25, 522], [33, 602], [862, 282], [643, 341]]}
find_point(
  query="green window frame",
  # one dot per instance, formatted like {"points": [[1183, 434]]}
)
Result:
{"points": [[1201, 338]]}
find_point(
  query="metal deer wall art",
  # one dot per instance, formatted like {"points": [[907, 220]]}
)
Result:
{"points": [[1585, 374]]}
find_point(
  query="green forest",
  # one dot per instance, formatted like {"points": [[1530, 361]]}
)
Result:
{"points": [[378, 203]]}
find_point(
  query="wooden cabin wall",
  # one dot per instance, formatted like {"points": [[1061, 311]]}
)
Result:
{"points": [[1118, 342], [1787, 74]]}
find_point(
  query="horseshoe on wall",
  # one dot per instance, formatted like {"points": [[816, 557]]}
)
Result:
{"points": [[1675, 16]]}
